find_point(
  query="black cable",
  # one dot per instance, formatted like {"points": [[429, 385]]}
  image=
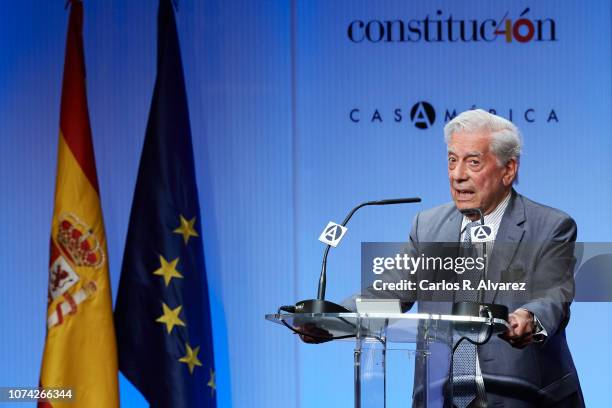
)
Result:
{"points": [[474, 342]]}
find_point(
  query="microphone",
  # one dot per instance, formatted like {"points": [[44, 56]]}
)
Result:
{"points": [[320, 305], [475, 309], [472, 211]]}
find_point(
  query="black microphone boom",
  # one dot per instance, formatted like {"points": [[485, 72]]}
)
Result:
{"points": [[472, 211], [320, 305], [475, 309]]}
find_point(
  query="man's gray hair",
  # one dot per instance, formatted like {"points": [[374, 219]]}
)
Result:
{"points": [[506, 140]]}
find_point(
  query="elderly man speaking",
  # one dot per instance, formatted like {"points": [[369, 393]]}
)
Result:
{"points": [[530, 365]]}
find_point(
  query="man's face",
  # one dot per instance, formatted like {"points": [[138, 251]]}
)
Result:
{"points": [[476, 178]]}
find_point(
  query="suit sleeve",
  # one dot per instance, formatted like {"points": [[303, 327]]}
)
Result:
{"points": [[553, 281]]}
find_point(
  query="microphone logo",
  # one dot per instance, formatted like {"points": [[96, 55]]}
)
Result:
{"points": [[332, 234], [481, 233]]}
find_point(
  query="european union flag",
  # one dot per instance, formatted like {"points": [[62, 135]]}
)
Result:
{"points": [[162, 313]]}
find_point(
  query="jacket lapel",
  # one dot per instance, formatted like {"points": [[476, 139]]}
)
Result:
{"points": [[451, 229], [509, 235]]}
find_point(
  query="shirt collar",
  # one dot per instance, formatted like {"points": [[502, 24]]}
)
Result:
{"points": [[494, 218]]}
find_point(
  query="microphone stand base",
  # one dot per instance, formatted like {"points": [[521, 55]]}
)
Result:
{"points": [[319, 306]]}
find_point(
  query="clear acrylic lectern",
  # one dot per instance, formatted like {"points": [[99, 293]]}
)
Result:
{"points": [[378, 344]]}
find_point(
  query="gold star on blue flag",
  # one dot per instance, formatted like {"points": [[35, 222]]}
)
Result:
{"points": [[186, 229]]}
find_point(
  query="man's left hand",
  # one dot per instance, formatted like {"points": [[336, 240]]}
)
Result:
{"points": [[521, 329]]}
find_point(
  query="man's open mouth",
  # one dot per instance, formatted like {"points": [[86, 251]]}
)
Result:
{"points": [[464, 194]]}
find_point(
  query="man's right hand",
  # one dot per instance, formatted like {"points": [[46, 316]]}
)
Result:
{"points": [[311, 334]]}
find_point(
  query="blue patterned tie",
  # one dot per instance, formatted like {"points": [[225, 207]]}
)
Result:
{"points": [[464, 358]]}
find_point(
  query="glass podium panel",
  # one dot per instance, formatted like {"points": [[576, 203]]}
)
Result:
{"points": [[400, 360]]}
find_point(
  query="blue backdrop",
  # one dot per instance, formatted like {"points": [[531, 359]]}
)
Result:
{"points": [[294, 121]]}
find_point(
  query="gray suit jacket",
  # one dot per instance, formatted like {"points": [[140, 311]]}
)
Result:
{"points": [[535, 247]]}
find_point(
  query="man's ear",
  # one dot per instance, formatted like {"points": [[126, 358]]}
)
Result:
{"points": [[510, 170]]}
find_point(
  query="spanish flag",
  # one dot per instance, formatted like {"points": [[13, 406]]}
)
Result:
{"points": [[80, 347]]}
